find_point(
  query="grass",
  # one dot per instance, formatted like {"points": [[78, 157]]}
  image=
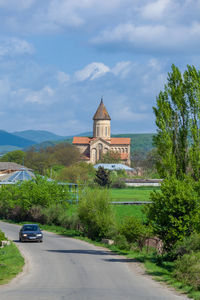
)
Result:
{"points": [[132, 194], [122, 211], [11, 263]]}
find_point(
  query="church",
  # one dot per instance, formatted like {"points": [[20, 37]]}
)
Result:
{"points": [[91, 148]]}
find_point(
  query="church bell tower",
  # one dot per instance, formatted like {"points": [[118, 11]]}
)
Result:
{"points": [[101, 125]]}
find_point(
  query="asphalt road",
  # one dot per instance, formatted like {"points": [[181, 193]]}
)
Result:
{"points": [[65, 268]]}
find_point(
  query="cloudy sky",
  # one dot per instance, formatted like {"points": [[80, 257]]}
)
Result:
{"points": [[59, 57]]}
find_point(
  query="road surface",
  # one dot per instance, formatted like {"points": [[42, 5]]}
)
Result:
{"points": [[66, 268]]}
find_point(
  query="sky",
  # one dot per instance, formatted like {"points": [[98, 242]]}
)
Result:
{"points": [[58, 58]]}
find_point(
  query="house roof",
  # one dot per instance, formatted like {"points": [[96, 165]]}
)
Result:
{"points": [[120, 141], [101, 113], [10, 166], [114, 167], [112, 141]]}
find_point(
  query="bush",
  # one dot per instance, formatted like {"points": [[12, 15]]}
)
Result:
{"points": [[2, 236], [95, 213], [118, 183], [121, 242], [187, 245], [132, 229], [173, 213], [187, 269]]}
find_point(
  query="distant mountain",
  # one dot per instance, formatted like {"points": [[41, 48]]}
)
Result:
{"points": [[40, 136], [10, 139]]}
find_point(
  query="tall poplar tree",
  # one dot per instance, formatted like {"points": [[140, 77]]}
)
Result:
{"points": [[178, 124]]}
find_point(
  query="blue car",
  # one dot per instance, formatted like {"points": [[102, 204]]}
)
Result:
{"points": [[30, 232]]}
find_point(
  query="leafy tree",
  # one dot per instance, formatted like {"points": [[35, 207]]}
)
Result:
{"points": [[177, 119], [174, 212], [102, 177], [110, 157], [81, 172], [16, 156]]}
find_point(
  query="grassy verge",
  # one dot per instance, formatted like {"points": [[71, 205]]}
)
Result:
{"points": [[11, 263]]}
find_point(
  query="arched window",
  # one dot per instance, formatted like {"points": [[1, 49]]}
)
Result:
{"points": [[106, 131]]}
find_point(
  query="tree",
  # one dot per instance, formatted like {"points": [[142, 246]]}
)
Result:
{"points": [[16, 156], [110, 157], [174, 212], [178, 122], [102, 177]]}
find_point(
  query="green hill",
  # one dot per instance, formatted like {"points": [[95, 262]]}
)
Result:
{"points": [[9, 139]]}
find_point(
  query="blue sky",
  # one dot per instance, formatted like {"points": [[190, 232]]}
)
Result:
{"points": [[59, 57]]}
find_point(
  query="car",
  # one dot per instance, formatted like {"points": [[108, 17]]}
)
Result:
{"points": [[30, 232]]}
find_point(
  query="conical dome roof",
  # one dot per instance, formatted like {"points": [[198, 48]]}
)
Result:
{"points": [[101, 113]]}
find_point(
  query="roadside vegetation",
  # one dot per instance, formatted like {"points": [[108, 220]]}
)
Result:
{"points": [[11, 261], [164, 235]]}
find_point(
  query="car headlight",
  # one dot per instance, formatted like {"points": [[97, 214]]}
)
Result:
{"points": [[24, 234], [39, 234]]}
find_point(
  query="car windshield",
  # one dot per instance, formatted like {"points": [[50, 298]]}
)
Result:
{"points": [[30, 228]]}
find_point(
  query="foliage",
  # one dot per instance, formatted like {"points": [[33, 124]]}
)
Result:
{"points": [[133, 229], [2, 236], [95, 213], [102, 177], [187, 245], [16, 200], [177, 119], [60, 154], [187, 269], [121, 242], [110, 157], [173, 213], [78, 173], [16, 156]]}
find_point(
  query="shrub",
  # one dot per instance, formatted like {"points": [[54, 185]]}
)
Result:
{"points": [[118, 183], [173, 213], [95, 213], [69, 221], [187, 245], [187, 269], [2, 236], [121, 242], [132, 229]]}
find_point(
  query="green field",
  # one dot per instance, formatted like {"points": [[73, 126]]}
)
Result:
{"points": [[122, 211], [132, 194]]}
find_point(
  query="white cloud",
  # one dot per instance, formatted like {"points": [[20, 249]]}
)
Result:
{"points": [[152, 37], [92, 71], [155, 10], [62, 77], [43, 96], [122, 68], [15, 46]]}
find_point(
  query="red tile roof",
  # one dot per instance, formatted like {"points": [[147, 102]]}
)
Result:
{"points": [[81, 140], [113, 141], [120, 141]]}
